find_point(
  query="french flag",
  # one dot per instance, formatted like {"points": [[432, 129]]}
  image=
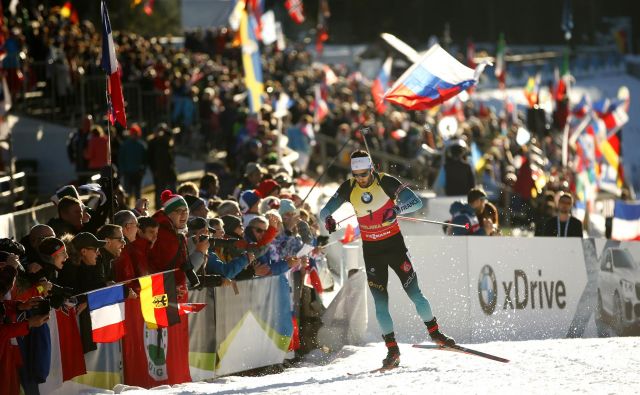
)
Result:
{"points": [[380, 86], [106, 308], [626, 221], [109, 64], [435, 78]]}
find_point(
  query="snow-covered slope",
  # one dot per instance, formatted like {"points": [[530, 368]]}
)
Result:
{"points": [[597, 366]]}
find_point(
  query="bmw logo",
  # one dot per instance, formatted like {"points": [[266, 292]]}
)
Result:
{"points": [[366, 197], [487, 290]]}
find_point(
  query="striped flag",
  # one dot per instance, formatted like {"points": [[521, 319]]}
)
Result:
{"points": [[380, 85], [626, 221], [251, 62], [106, 308], [432, 80], [109, 64], [158, 299]]}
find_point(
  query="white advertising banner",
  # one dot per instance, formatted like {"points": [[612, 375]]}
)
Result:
{"points": [[524, 288]]}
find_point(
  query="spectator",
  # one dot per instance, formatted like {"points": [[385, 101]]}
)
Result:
{"points": [[161, 154], [459, 177], [197, 206], [564, 224], [490, 212], [114, 243], [132, 161], [468, 215], [252, 177], [268, 188], [170, 252], [77, 144], [70, 214], [249, 206], [188, 188], [31, 242], [90, 276], [134, 259], [209, 186], [269, 203], [10, 358], [255, 231], [97, 151], [229, 207], [302, 139], [202, 257], [129, 224]]}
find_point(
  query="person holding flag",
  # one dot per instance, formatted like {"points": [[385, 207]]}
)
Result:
{"points": [[377, 199]]}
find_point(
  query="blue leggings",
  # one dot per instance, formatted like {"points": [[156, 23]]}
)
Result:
{"points": [[377, 276]]}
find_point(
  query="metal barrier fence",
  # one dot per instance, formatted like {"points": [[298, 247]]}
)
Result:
{"points": [[52, 92], [12, 191]]}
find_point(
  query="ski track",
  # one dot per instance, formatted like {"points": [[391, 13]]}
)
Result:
{"points": [[593, 366]]}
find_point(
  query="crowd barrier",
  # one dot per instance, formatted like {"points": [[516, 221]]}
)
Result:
{"points": [[508, 289], [233, 333]]}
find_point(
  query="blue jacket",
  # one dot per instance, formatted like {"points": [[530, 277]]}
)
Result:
{"points": [[463, 214], [227, 270]]}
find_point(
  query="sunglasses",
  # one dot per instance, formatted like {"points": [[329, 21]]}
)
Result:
{"points": [[259, 230], [361, 175]]}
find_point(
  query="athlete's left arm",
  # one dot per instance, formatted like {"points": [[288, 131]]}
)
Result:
{"points": [[407, 201]]}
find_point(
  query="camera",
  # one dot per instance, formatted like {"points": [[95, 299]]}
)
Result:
{"points": [[214, 241], [43, 308]]}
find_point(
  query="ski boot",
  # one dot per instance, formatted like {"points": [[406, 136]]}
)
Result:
{"points": [[393, 352], [438, 337]]}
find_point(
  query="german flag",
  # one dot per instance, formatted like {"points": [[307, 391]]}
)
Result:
{"points": [[158, 299]]}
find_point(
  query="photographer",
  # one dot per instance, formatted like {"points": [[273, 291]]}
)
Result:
{"points": [[202, 255]]}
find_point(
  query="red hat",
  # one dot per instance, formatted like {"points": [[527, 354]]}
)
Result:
{"points": [[135, 130], [266, 187]]}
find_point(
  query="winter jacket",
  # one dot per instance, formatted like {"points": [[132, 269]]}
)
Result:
{"points": [[132, 157], [170, 249], [133, 262], [463, 214]]}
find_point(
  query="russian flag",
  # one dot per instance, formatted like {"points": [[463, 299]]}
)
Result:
{"points": [[380, 85], [106, 308], [626, 221], [109, 64], [435, 78]]}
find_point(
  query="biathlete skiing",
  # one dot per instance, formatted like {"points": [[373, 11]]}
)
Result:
{"points": [[378, 199]]}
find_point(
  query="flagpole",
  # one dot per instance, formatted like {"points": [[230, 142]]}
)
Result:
{"points": [[112, 209], [123, 282]]}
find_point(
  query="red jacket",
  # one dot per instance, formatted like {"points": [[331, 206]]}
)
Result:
{"points": [[133, 262], [170, 249]]}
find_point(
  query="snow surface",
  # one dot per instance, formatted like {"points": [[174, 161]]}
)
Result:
{"points": [[594, 366]]}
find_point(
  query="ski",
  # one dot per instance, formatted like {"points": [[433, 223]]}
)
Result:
{"points": [[379, 370], [462, 349]]}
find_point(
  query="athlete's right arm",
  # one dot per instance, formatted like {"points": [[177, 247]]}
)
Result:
{"points": [[334, 202]]}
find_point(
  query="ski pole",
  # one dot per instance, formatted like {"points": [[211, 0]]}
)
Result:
{"points": [[411, 219], [428, 221], [325, 170]]}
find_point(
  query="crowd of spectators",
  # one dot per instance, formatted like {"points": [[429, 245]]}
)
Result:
{"points": [[244, 218], [211, 243]]}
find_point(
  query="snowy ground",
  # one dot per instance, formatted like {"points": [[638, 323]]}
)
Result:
{"points": [[596, 366]]}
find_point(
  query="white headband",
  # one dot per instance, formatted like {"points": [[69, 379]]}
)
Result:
{"points": [[362, 163]]}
